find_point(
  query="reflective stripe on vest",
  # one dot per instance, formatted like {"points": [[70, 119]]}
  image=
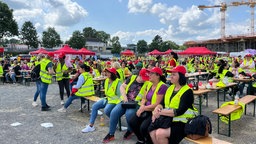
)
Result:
{"points": [[175, 102], [110, 92], [87, 88], [142, 90], [59, 73], [154, 97], [45, 76]]}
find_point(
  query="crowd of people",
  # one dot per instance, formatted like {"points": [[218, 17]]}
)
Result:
{"points": [[160, 108]]}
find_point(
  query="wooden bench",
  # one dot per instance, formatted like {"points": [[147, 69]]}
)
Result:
{"points": [[207, 140], [19, 78], [228, 109], [89, 98]]}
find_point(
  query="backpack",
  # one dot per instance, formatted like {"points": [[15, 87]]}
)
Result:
{"points": [[35, 73], [198, 127]]}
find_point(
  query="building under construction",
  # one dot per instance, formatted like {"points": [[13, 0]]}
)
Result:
{"points": [[229, 43]]}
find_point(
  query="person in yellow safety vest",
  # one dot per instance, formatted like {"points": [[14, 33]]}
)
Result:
{"points": [[113, 97], [132, 90], [38, 81], [171, 115], [1, 70], [155, 91], [46, 72], [127, 72], [62, 76], [84, 87], [172, 62], [119, 70], [248, 64]]}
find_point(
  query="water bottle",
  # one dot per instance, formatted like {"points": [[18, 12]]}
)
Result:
{"points": [[102, 123], [236, 99]]}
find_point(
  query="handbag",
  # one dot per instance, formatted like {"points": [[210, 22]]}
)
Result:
{"points": [[130, 104]]}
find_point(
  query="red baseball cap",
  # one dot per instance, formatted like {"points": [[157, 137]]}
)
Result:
{"points": [[108, 63], [180, 69], [112, 70], [144, 74], [156, 70], [50, 54], [61, 55], [248, 55]]}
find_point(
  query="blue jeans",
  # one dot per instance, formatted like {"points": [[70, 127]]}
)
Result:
{"points": [[117, 113], [38, 86], [43, 91], [99, 105], [12, 76], [70, 99]]}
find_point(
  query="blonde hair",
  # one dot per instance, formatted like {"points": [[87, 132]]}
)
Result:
{"points": [[116, 65]]}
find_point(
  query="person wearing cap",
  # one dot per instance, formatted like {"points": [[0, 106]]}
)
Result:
{"points": [[132, 90], [171, 115], [248, 64], [46, 72], [137, 69], [153, 96], [62, 76], [112, 92], [84, 87]]}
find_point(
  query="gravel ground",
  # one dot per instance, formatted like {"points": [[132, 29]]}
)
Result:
{"points": [[15, 106]]}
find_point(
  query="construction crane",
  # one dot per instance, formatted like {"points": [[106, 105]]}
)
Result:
{"points": [[223, 7]]}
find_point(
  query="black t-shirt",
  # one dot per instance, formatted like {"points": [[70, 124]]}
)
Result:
{"points": [[133, 90], [186, 101]]}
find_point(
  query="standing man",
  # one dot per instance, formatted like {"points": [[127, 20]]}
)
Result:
{"points": [[46, 72], [62, 76]]}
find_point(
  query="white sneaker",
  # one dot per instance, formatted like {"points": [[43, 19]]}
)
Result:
{"points": [[62, 110], [34, 104], [62, 102], [88, 128]]}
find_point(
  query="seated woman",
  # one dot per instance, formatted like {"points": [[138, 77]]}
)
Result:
{"points": [[132, 90], [84, 87], [169, 117], [112, 92], [155, 91]]}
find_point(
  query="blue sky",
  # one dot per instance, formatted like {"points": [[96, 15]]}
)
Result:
{"points": [[133, 20]]}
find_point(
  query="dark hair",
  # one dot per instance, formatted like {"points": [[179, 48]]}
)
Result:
{"points": [[113, 76], [85, 67], [182, 79], [237, 64], [175, 56], [222, 66], [162, 78]]}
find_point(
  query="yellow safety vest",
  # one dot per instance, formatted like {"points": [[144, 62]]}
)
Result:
{"points": [[222, 75], [110, 92], [97, 73], [250, 62], [87, 88], [154, 97], [175, 103], [1, 70], [45, 76], [142, 90], [121, 74], [59, 73]]}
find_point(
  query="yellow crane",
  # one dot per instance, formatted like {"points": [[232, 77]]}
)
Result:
{"points": [[223, 7]]}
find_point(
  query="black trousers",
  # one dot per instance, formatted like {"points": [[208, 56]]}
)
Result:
{"points": [[140, 125], [64, 83]]}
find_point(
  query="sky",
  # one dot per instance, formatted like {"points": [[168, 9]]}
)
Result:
{"points": [[134, 20]]}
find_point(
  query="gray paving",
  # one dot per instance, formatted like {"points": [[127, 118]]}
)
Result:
{"points": [[15, 106]]}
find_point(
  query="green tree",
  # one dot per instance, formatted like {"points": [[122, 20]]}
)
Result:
{"points": [[51, 38], [89, 32], [103, 36], [142, 46], [169, 45], [77, 40], [156, 43], [116, 46], [8, 25], [29, 35]]}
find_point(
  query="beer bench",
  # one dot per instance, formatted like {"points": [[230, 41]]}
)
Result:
{"points": [[228, 109]]}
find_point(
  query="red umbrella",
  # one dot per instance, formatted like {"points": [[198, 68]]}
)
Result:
{"points": [[41, 50], [85, 51], [197, 51], [67, 50], [156, 52], [127, 53]]}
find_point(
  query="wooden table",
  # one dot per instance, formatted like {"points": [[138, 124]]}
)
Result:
{"points": [[99, 79], [200, 93]]}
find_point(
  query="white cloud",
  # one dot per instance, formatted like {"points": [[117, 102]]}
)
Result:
{"points": [[139, 6]]}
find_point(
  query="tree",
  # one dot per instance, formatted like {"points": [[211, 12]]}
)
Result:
{"points": [[168, 45], [142, 46], [103, 36], [29, 35], [89, 32], [8, 25], [156, 43], [77, 40], [116, 46], [51, 38]]}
